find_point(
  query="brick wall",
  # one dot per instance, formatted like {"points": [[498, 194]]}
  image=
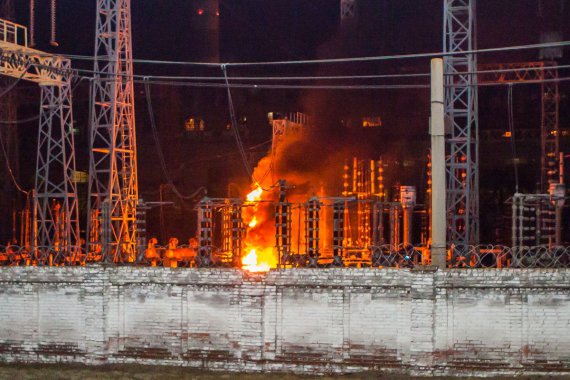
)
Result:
{"points": [[306, 320]]}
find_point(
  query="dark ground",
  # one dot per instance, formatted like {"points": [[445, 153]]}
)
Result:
{"points": [[77, 372]]}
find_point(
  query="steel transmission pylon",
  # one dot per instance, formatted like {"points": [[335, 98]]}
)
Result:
{"points": [[461, 111], [113, 186], [347, 9], [56, 213]]}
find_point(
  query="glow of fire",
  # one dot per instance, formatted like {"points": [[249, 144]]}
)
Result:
{"points": [[255, 195], [250, 264], [253, 222]]}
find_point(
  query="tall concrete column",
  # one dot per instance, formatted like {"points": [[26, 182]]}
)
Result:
{"points": [[437, 131]]}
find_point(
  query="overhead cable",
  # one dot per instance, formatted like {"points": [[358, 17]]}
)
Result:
{"points": [[337, 60], [161, 155]]}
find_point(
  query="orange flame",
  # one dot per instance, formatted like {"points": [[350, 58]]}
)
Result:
{"points": [[250, 263], [255, 195], [253, 222], [259, 258]]}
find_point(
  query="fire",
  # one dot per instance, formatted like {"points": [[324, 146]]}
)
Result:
{"points": [[250, 262], [260, 256], [255, 195], [253, 222]]}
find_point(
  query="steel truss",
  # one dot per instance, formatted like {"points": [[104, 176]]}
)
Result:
{"points": [[113, 158], [347, 9], [547, 74], [461, 108], [56, 221], [55, 200]]}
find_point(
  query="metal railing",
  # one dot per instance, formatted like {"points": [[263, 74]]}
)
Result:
{"points": [[13, 33], [383, 256]]}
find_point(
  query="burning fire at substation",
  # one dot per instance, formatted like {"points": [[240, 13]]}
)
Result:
{"points": [[259, 255]]}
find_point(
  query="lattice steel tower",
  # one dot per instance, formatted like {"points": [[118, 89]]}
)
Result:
{"points": [[113, 186], [56, 222], [461, 111]]}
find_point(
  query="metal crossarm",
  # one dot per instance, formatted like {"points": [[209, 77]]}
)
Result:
{"points": [[56, 220]]}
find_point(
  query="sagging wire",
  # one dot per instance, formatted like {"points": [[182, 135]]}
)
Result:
{"points": [[512, 132], [339, 60], [237, 136], [162, 161], [8, 166], [13, 84], [36, 117], [2, 145]]}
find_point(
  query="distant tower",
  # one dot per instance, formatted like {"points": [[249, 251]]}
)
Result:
{"points": [[9, 135], [347, 10], [205, 27], [461, 109], [113, 185], [550, 14]]}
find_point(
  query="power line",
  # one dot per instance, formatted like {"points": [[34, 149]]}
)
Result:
{"points": [[161, 155], [338, 87], [336, 60]]}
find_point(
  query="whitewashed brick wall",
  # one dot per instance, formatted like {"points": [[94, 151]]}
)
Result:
{"points": [[302, 320]]}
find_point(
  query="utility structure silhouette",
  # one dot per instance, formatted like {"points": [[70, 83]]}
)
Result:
{"points": [[113, 185], [56, 221]]}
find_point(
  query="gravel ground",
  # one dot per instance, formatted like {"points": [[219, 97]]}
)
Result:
{"points": [[77, 372]]}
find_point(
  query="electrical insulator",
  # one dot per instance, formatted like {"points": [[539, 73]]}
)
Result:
{"points": [[53, 41]]}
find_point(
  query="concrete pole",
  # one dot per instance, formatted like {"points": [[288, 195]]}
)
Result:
{"points": [[437, 132]]}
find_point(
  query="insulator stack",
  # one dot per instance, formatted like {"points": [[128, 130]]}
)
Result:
{"points": [[283, 226], [338, 232], [53, 31], [94, 236], [32, 23], [380, 178], [237, 232], [25, 226], [106, 230], [345, 178], [395, 224], [227, 227], [205, 214], [141, 227], [378, 225], [312, 212]]}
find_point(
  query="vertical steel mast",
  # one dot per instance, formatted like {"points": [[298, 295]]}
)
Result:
{"points": [[56, 214], [113, 186], [461, 112]]}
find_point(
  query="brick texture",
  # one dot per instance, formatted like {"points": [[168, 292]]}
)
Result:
{"points": [[313, 321]]}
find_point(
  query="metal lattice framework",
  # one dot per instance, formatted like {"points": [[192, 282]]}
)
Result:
{"points": [[113, 167], [547, 74], [56, 221], [550, 129], [347, 9], [55, 199], [461, 111]]}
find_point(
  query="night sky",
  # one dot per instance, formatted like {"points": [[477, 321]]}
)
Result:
{"points": [[264, 30]]}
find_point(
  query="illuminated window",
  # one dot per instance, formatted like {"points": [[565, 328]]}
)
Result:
{"points": [[371, 121], [194, 124]]}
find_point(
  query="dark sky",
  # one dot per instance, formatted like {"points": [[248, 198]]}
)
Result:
{"points": [[285, 29], [253, 30]]}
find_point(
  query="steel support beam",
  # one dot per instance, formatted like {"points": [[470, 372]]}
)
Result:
{"points": [[461, 112], [55, 199], [113, 158]]}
